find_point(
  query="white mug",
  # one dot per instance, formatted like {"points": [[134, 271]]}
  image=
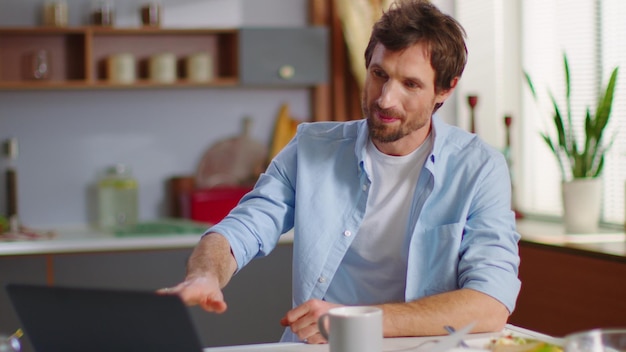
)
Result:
{"points": [[353, 329]]}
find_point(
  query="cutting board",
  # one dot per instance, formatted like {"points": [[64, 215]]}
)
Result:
{"points": [[233, 161]]}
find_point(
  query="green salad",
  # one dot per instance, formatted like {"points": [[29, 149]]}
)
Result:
{"points": [[511, 343]]}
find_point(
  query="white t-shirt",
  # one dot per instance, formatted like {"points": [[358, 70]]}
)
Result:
{"points": [[374, 268]]}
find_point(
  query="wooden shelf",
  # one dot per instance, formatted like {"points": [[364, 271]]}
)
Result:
{"points": [[140, 84], [77, 55]]}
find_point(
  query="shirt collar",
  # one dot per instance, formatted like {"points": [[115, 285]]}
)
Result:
{"points": [[440, 131], [361, 143]]}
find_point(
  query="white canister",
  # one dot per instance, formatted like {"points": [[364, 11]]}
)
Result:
{"points": [[162, 68], [121, 68], [199, 67]]}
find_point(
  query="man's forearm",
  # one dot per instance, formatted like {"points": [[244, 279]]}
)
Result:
{"points": [[212, 256], [428, 315]]}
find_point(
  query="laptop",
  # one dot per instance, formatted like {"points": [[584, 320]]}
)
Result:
{"points": [[68, 319]]}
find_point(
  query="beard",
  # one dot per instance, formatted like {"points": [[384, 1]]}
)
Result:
{"points": [[385, 133]]}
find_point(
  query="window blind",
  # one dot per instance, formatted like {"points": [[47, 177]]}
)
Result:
{"points": [[613, 33]]}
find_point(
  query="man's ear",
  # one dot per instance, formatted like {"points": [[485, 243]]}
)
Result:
{"points": [[443, 95]]}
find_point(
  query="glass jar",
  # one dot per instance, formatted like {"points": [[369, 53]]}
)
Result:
{"points": [[102, 13], [40, 65], [118, 203], [55, 13], [151, 14]]}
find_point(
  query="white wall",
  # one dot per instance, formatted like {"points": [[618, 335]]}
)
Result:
{"points": [[67, 136], [493, 69], [448, 112], [494, 73], [176, 13]]}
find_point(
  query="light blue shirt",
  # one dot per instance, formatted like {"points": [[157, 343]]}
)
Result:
{"points": [[463, 230]]}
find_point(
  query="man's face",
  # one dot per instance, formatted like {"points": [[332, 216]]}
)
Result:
{"points": [[399, 98]]}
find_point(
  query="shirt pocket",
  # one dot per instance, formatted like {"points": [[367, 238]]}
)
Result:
{"points": [[442, 252]]}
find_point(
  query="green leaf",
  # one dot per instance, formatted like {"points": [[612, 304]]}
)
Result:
{"points": [[530, 85], [568, 85], [590, 141], [548, 141], [599, 169], [605, 103], [558, 123], [568, 103]]}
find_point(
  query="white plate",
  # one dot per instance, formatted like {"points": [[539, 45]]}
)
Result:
{"points": [[480, 343]]}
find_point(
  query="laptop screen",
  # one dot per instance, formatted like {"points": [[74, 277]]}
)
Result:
{"points": [[67, 319]]}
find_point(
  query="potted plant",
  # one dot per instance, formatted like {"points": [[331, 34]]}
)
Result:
{"points": [[581, 165]]}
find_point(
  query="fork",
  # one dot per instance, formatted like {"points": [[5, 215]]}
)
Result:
{"points": [[451, 330]]}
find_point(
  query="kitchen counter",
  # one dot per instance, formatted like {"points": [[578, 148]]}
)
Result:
{"points": [[570, 282], [606, 244], [76, 241], [83, 239]]}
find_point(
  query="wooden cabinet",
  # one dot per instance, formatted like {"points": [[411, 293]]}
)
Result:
{"points": [[569, 288], [77, 57]]}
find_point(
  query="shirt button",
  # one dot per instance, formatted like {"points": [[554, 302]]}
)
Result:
{"points": [[364, 187], [347, 233], [321, 280]]}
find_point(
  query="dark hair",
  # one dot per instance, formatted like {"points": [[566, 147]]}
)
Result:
{"points": [[408, 22]]}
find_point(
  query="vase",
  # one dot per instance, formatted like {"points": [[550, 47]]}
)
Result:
{"points": [[582, 203]]}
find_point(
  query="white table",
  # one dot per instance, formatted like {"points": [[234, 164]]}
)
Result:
{"points": [[476, 341]]}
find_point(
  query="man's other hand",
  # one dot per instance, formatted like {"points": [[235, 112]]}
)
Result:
{"points": [[303, 320]]}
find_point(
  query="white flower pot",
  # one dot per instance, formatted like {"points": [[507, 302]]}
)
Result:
{"points": [[582, 203]]}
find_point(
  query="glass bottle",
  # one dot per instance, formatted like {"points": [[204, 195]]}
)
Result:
{"points": [[118, 203]]}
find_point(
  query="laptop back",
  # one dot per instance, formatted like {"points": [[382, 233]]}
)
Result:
{"points": [[69, 319]]}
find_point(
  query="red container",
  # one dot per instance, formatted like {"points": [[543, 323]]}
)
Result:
{"points": [[213, 204]]}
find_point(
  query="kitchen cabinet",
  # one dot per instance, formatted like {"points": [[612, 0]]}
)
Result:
{"points": [[76, 57], [570, 287], [283, 57], [21, 269], [257, 297]]}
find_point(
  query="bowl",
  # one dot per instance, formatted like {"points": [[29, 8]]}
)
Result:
{"points": [[596, 340]]}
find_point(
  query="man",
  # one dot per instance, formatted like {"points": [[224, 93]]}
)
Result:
{"points": [[398, 210]]}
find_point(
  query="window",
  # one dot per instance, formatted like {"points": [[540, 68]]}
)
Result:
{"points": [[593, 35]]}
